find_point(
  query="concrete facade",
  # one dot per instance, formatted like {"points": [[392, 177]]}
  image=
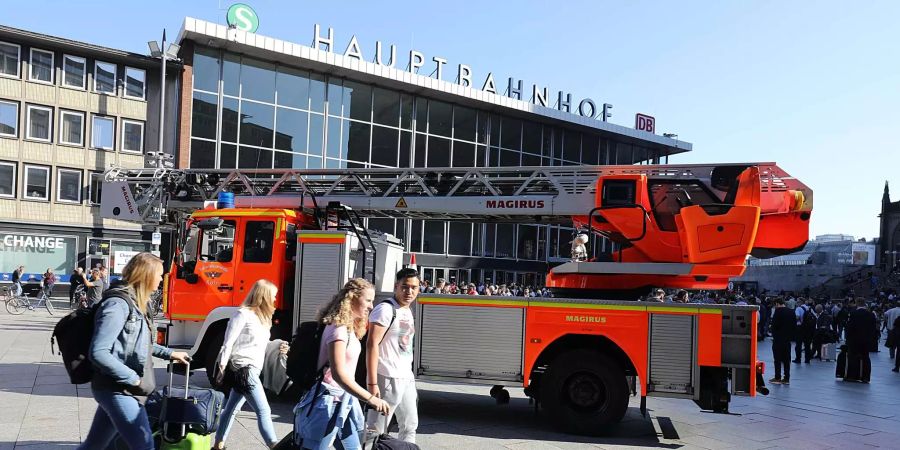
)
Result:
{"points": [[65, 121]]}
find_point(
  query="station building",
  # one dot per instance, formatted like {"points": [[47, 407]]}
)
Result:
{"points": [[251, 101], [68, 111]]}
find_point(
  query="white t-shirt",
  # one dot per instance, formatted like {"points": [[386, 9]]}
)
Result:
{"points": [[332, 334], [395, 353]]}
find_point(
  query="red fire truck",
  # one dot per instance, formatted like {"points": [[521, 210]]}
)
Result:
{"points": [[579, 354]]}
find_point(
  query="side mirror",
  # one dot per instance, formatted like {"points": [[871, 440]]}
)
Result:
{"points": [[212, 223]]}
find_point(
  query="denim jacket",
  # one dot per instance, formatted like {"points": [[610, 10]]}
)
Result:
{"points": [[329, 411], [121, 339]]}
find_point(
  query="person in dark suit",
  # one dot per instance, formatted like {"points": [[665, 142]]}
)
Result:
{"points": [[859, 339], [784, 329]]}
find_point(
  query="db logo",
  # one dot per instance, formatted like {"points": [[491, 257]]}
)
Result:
{"points": [[644, 122]]}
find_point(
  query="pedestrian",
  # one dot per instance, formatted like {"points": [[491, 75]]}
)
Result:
{"points": [[859, 340], [242, 354], [75, 280], [389, 358], [806, 330], [335, 416], [824, 333], [784, 327], [890, 316], [48, 280], [95, 287], [121, 354], [17, 279]]}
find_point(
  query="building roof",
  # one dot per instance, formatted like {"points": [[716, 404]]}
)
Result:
{"points": [[81, 48], [279, 51]]}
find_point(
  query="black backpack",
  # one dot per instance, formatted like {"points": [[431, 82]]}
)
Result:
{"points": [[73, 334], [303, 357], [809, 320]]}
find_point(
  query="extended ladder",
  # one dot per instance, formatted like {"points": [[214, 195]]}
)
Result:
{"points": [[496, 194]]}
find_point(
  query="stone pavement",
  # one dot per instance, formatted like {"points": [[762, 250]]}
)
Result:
{"points": [[40, 409]]}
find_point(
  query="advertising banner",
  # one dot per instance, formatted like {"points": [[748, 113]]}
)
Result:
{"points": [[37, 253]]}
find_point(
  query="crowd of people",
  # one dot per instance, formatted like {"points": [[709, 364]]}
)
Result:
{"points": [[441, 286]]}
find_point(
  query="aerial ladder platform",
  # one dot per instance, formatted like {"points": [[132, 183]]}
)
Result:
{"points": [[679, 226]]}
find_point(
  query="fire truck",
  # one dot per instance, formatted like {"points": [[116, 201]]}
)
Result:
{"points": [[579, 354]]}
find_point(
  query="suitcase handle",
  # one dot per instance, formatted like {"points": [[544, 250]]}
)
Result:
{"points": [[187, 383]]}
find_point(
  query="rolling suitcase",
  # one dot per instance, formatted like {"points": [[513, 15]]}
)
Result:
{"points": [[841, 367], [189, 417], [829, 351]]}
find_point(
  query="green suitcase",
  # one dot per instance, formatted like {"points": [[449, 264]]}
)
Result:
{"points": [[191, 441]]}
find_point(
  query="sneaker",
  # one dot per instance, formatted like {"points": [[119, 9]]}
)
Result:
{"points": [[775, 381], [895, 370], [785, 381], [796, 361]]}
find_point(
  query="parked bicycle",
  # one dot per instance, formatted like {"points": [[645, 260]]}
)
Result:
{"points": [[18, 304]]}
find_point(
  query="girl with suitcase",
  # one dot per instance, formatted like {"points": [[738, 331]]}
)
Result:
{"points": [[121, 355], [241, 360], [330, 413]]}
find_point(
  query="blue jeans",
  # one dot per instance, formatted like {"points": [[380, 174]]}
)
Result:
{"points": [[118, 413], [257, 398]]}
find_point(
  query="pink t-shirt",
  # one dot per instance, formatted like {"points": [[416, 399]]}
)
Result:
{"points": [[332, 334]]}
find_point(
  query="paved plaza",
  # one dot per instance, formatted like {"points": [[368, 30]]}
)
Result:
{"points": [[40, 409]]}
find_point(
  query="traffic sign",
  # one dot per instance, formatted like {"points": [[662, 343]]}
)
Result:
{"points": [[242, 17]]}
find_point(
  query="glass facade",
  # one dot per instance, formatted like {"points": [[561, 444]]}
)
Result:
{"points": [[250, 113]]}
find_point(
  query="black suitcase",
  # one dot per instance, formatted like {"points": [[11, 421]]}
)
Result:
{"points": [[841, 367], [856, 368], [194, 409]]}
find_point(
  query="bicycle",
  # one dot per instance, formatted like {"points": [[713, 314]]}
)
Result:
{"points": [[79, 298], [18, 304], [154, 306]]}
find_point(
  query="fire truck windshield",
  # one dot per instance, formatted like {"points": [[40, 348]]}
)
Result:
{"points": [[211, 244]]}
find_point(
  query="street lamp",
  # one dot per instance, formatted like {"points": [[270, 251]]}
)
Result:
{"points": [[156, 51], [160, 157]]}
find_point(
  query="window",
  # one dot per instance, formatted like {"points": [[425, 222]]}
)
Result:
{"points": [[135, 82], [9, 119], [68, 186], [74, 71], [71, 128], [7, 179], [9, 59], [132, 136], [39, 122], [103, 131], [41, 66], [217, 245], [96, 188], [105, 77], [258, 238], [37, 182]]}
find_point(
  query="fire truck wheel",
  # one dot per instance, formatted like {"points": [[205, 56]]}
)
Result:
{"points": [[584, 390]]}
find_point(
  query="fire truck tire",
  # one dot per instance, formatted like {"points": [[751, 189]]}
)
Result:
{"points": [[212, 353], [583, 391]]}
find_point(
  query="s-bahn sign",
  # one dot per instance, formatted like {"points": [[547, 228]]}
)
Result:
{"points": [[515, 88]]}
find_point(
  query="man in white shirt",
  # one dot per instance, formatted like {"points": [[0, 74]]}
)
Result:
{"points": [[389, 358], [889, 317]]}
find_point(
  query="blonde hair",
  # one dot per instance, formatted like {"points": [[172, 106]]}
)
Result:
{"points": [[261, 300], [339, 311], [139, 275]]}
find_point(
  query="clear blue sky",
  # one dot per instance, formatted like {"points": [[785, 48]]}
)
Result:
{"points": [[814, 86]]}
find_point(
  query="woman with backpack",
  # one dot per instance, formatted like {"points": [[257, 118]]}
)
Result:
{"points": [[241, 360], [330, 412], [121, 356]]}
